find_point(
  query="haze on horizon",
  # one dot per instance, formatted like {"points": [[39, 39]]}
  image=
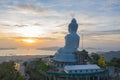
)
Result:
{"points": [[44, 23]]}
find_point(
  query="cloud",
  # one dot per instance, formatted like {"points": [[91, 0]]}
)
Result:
{"points": [[113, 1], [98, 33], [110, 5], [34, 8], [60, 32], [47, 38], [39, 38], [10, 25], [87, 24], [4, 25], [62, 25], [108, 36], [30, 7], [20, 25], [37, 24]]}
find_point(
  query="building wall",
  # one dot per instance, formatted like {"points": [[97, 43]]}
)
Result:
{"points": [[81, 71]]}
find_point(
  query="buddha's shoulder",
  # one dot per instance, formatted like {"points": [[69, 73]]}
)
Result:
{"points": [[72, 35]]}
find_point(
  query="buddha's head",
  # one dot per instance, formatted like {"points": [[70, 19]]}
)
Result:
{"points": [[73, 20], [73, 26]]}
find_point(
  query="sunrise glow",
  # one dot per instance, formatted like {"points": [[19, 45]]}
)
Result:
{"points": [[40, 23], [30, 31], [29, 40]]}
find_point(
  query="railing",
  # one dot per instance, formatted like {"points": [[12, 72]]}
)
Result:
{"points": [[76, 74]]}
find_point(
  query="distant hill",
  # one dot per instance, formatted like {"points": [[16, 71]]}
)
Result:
{"points": [[8, 48], [49, 48], [110, 55]]}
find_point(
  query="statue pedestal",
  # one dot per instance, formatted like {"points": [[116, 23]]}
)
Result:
{"points": [[62, 59]]}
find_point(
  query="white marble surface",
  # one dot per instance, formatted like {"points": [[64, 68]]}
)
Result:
{"points": [[65, 54], [71, 39]]}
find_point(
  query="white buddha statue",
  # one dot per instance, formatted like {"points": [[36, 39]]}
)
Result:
{"points": [[71, 39]]}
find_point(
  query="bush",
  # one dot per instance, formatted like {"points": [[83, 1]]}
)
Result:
{"points": [[8, 72]]}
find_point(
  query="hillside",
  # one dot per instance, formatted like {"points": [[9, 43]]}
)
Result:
{"points": [[111, 54]]}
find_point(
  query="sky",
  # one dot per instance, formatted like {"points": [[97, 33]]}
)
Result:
{"points": [[44, 23]]}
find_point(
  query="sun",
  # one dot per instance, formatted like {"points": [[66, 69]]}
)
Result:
{"points": [[29, 40]]}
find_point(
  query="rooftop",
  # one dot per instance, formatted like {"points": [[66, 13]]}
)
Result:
{"points": [[81, 67]]}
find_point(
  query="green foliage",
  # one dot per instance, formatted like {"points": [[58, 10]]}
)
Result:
{"points": [[8, 72], [51, 56], [101, 61], [36, 75], [85, 53], [41, 65], [37, 70], [25, 63], [114, 62], [95, 58]]}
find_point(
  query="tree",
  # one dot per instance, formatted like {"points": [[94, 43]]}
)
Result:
{"points": [[101, 61], [8, 72], [85, 53], [37, 70], [114, 62], [95, 58]]}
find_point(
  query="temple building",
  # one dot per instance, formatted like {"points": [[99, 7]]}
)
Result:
{"points": [[81, 68], [72, 64]]}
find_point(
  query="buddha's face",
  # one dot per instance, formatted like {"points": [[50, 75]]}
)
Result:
{"points": [[73, 28]]}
